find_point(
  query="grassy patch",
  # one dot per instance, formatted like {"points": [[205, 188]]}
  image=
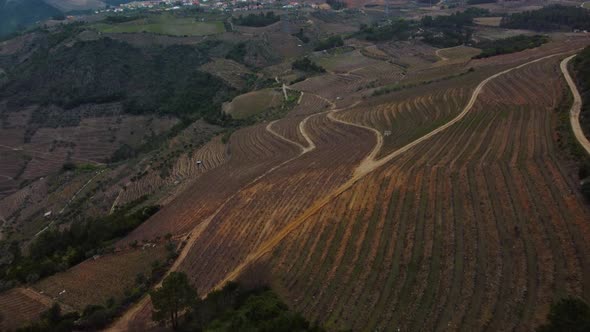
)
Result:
{"points": [[253, 103], [459, 53]]}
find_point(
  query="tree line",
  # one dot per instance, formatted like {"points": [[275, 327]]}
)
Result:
{"points": [[509, 45], [260, 20], [555, 17]]}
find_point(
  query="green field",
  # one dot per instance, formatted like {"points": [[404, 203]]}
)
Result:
{"points": [[586, 5], [165, 25], [252, 103]]}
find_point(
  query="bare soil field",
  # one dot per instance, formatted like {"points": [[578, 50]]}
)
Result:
{"points": [[488, 21], [33, 148], [184, 170], [488, 229], [242, 223], [483, 173], [19, 307], [252, 152], [410, 188], [109, 276], [309, 104], [289, 128], [408, 118], [410, 54]]}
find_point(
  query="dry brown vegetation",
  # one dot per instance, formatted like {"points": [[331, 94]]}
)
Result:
{"points": [[466, 231], [478, 227], [20, 306], [96, 280]]}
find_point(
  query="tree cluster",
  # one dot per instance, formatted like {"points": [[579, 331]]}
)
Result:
{"points": [[336, 4], [306, 65], [394, 30], [569, 314], [550, 18], [260, 20], [509, 45], [328, 43], [233, 308], [163, 80], [56, 250], [452, 30]]}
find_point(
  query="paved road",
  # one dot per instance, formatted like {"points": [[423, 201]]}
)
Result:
{"points": [[576, 106]]}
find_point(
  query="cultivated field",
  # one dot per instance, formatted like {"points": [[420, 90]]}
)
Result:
{"points": [[476, 228], [409, 188], [344, 62], [109, 276], [488, 229], [488, 21], [186, 168], [457, 54], [409, 117], [20, 306], [309, 104], [253, 103], [252, 152], [166, 25], [332, 86]]}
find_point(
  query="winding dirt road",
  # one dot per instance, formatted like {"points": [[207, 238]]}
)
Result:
{"points": [[576, 106], [272, 131]]}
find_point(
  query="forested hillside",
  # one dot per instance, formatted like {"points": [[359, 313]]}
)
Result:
{"points": [[163, 80], [555, 17]]}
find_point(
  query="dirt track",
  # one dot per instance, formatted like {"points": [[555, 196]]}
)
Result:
{"points": [[576, 106], [368, 165], [122, 323]]}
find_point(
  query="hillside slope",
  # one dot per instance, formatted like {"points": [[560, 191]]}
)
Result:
{"points": [[477, 227]]}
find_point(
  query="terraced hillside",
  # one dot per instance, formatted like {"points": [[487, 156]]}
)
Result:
{"points": [[472, 224], [477, 229], [404, 188], [21, 306]]}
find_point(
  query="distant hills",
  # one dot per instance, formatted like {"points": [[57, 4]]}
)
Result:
{"points": [[18, 14]]}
